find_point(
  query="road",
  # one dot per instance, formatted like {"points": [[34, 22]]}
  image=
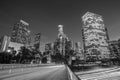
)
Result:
{"points": [[103, 74], [58, 72]]}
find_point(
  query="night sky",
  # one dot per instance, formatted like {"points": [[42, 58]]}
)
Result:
{"points": [[45, 15]]}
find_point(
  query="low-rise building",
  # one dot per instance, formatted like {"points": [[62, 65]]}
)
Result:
{"points": [[4, 43]]}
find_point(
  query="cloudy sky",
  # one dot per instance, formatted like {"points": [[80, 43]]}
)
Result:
{"points": [[45, 15]]}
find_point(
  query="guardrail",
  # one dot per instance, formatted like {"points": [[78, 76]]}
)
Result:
{"points": [[71, 75], [14, 66]]}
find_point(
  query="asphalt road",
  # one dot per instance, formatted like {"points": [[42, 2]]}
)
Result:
{"points": [[105, 74], [58, 72]]}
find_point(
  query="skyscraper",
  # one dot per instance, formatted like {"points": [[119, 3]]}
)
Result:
{"points": [[95, 37], [37, 41], [21, 33], [61, 41], [78, 47], [61, 37]]}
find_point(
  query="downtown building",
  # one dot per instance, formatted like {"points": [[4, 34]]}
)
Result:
{"points": [[114, 46], [20, 37], [79, 51], [49, 48], [95, 37], [62, 44], [61, 47], [7, 46], [37, 41], [4, 43], [78, 47], [59, 44], [21, 33]]}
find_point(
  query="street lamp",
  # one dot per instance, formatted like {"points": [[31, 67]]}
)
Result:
{"points": [[8, 50]]}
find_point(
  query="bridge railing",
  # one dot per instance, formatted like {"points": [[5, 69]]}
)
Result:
{"points": [[71, 75], [15, 66]]}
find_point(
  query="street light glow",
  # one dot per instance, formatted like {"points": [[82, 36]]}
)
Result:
{"points": [[8, 50]]}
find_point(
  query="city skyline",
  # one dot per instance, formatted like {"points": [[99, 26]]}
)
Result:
{"points": [[45, 16]]}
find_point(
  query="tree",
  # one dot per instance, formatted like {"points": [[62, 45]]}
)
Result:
{"points": [[24, 55], [37, 56], [5, 57]]}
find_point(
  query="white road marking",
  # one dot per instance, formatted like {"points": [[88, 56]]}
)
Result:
{"points": [[113, 74], [57, 66]]}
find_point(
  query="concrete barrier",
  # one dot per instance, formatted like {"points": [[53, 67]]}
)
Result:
{"points": [[71, 75]]}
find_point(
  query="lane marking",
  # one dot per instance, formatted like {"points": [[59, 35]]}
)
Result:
{"points": [[57, 66], [103, 76]]}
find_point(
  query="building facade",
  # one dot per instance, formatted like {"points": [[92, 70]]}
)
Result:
{"points": [[95, 37], [61, 48], [37, 41], [79, 51], [61, 40], [21, 33], [114, 49], [49, 48], [15, 46], [78, 47], [4, 43]]}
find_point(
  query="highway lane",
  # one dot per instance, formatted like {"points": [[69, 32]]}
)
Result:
{"points": [[108, 74], [58, 72]]}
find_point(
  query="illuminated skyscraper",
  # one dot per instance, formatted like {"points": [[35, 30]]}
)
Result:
{"points": [[61, 42], [78, 47], [37, 41], [21, 33], [79, 51], [95, 37]]}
